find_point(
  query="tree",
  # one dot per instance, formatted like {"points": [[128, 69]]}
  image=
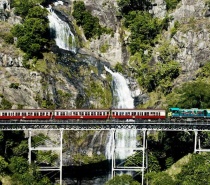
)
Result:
{"points": [[18, 165], [196, 171], [129, 5], [3, 165], [191, 95], [122, 180], [22, 6], [21, 149], [89, 23], [33, 34], [160, 178]]}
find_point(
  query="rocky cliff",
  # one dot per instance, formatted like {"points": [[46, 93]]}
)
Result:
{"points": [[50, 80]]}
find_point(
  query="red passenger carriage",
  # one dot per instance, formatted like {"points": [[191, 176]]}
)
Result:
{"points": [[83, 114]]}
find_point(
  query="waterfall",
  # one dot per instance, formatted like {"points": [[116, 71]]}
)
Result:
{"points": [[125, 139], [59, 29]]}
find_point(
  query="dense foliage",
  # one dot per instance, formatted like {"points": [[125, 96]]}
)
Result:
{"points": [[14, 160], [194, 172], [33, 34], [23, 6], [132, 5], [89, 23], [195, 94], [122, 180], [144, 29], [171, 4]]}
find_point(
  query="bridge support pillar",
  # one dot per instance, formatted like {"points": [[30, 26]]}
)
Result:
{"points": [[48, 148], [197, 142], [142, 149]]}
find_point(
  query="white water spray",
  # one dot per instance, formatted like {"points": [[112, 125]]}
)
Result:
{"points": [[125, 140], [64, 38]]}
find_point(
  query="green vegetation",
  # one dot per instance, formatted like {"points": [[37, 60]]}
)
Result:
{"points": [[103, 48], [133, 5], [14, 85], [5, 104], [98, 93], [63, 98], [119, 68], [144, 28], [175, 28], [171, 4], [82, 159], [207, 3], [194, 94], [89, 23], [47, 157], [13, 144], [122, 180], [33, 34], [22, 7], [193, 171]]}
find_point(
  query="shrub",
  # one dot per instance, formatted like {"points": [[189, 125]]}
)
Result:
{"points": [[14, 85]]}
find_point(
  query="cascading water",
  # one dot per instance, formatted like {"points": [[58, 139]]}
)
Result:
{"points": [[59, 29], [125, 140]]}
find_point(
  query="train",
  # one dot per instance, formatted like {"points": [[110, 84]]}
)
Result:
{"points": [[105, 114], [82, 114]]}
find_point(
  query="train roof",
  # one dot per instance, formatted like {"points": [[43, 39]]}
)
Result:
{"points": [[25, 110]]}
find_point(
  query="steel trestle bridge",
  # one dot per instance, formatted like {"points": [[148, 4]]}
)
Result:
{"points": [[109, 125], [103, 125]]}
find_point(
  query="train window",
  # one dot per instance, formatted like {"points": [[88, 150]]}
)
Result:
{"points": [[146, 113], [23, 114]]}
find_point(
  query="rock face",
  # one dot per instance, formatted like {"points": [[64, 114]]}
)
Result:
{"points": [[106, 11], [191, 39]]}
